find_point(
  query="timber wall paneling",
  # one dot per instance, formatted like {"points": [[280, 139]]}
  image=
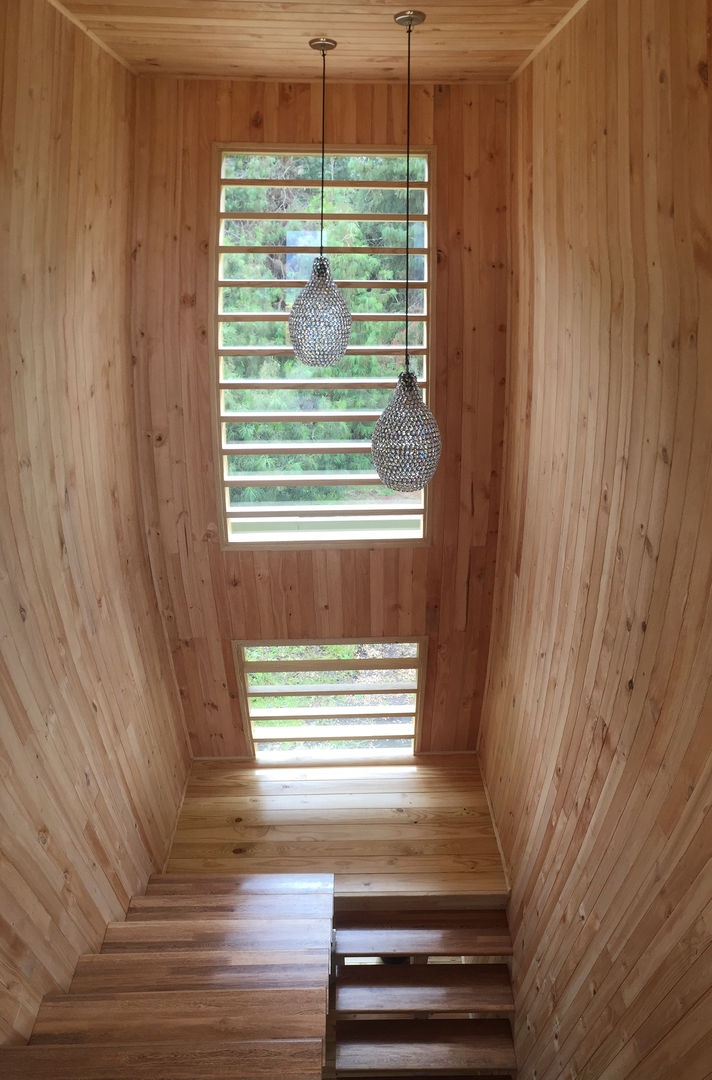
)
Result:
{"points": [[93, 748], [597, 734], [211, 597]]}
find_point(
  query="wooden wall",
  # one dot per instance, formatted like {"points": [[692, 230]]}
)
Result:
{"points": [[209, 597], [93, 754], [597, 734]]}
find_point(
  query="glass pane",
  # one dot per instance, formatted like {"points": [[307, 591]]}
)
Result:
{"points": [[258, 266], [372, 301], [294, 200], [308, 166], [288, 367], [390, 332], [265, 233], [338, 431], [370, 677], [296, 463], [332, 701], [360, 496], [333, 651], [320, 399]]}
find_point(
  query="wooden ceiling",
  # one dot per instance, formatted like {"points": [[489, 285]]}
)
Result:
{"points": [[461, 39]]}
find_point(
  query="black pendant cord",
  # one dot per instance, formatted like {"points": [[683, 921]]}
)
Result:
{"points": [[407, 209], [323, 129]]}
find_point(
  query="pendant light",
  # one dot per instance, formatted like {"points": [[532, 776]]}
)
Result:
{"points": [[320, 322], [405, 447]]}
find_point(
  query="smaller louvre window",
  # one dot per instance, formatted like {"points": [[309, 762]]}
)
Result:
{"points": [[325, 700], [295, 441]]}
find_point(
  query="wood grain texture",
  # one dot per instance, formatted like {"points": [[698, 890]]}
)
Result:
{"points": [[425, 988], [93, 750], [411, 830], [240, 934], [211, 597], [461, 39], [480, 933], [299, 1059], [597, 738], [411, 1047], [196, 969], [175, 1015]]}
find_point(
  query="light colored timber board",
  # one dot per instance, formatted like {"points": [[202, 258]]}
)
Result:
{"points": [[443, 589], [299, 1059], [404, 1047], [380, 829], [246, 905], [263, 884], [170, 1015], [217, 39], [597, 743], [200, 969], [393, 827], [424, 988], [248, 934], [91, 718]]}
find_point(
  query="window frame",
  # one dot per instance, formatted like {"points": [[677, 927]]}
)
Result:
{"points": [[220, 148], [420, 663]]}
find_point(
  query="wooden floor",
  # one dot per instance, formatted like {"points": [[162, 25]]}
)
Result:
{"points": [[420, 829]]}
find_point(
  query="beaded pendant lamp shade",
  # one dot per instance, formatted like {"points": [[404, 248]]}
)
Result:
{"points": [[320, 322], [406, 445]]}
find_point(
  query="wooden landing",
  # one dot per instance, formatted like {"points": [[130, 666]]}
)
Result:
{"points": [[408, 831]]}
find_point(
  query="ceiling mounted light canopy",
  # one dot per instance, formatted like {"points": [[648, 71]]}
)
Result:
{"points": [[320, 321], [406, 445]]}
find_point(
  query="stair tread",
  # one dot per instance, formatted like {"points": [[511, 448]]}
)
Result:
{"points": [[200, 969], [241, 883], [424, 987], [200, 905], [178, 1014], [486, 937], [298, 1059], [249, 934], [420, 1047], [445, 919]]}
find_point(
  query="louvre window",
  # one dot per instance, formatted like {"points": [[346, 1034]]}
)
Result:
{"points": [[323, 699], [295, 464]]}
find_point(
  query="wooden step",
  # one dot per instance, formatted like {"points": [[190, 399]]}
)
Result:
{"points": [[477, 988], [431, 1047], [200, 969], [275, 1060], [461, 933], [177, 1015], [347, 904], [262, 884], [200, 905], [426, 918], [249, 934]]}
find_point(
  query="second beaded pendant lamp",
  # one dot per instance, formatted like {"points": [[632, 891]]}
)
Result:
{"points": [[320, 322], [406, 441]]}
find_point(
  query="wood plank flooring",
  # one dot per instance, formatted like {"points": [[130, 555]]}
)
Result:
{"points": [[401, 830]]}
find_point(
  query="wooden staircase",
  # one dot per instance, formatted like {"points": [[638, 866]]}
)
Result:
{"points": [[226, 977], [419, 1017], [221, 978]]}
